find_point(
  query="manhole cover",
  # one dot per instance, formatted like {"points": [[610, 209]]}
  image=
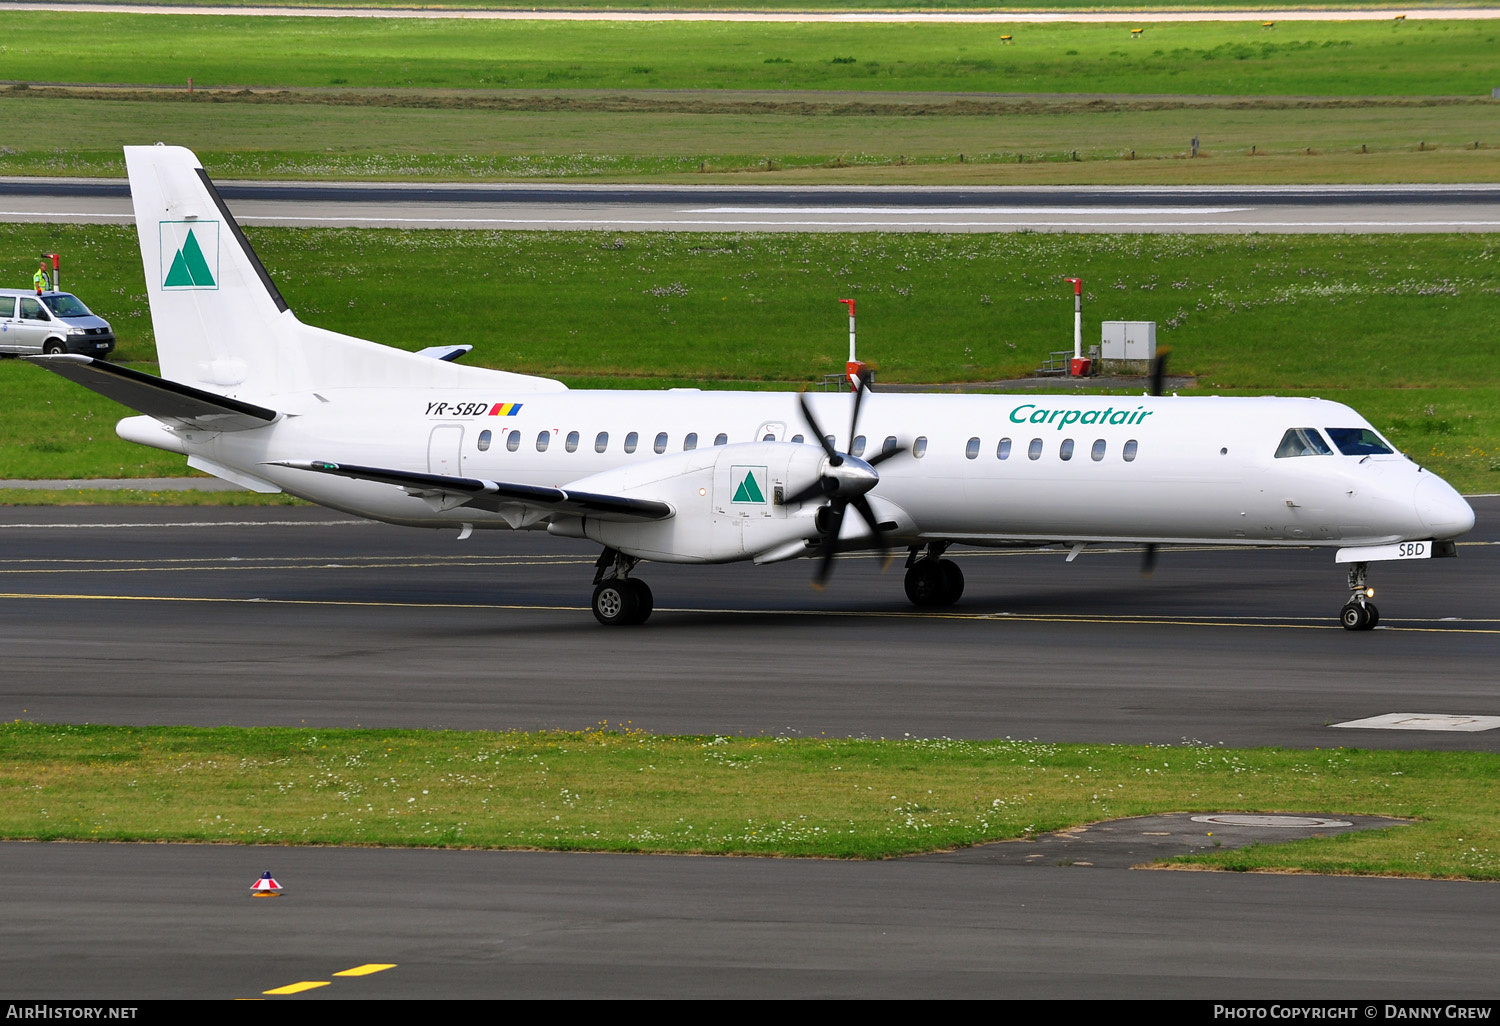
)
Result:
{"points": [[1285, 822]]}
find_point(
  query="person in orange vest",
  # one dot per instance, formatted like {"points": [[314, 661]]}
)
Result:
{"points": [[40, 279]]}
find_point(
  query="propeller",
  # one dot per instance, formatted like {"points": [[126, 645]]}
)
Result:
{"points": [[843, 480], [1158, 377]]}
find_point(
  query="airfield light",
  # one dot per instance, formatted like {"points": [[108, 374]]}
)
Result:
{"points": [[1079, 367]]}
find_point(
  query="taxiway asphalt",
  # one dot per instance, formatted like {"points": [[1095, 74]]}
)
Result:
{"points": [[299, 616]]}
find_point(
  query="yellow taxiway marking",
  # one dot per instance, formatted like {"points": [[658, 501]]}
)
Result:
{"points": [[1284, 622], [367, 969], [298, 988]]}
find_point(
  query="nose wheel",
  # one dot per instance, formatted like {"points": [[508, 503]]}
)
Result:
{"points": [[1359, 613], [619, 601]]}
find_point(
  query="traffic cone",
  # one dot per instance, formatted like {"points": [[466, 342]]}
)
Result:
{"points": [[265, 887]]}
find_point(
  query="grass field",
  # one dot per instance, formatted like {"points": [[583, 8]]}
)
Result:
{"points": [[817, 5], [1185, 58], [697, 137], [625, 790], [1399, 326]]}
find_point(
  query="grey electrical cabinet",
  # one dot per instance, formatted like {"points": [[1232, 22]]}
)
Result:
{"points": [[1128, 340]]}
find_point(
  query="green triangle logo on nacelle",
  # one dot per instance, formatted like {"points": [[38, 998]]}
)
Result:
{"points": [[749, 489], [193, 262]]}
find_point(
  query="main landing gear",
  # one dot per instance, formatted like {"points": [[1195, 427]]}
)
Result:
{"points": [[619, 600], [1359, 614], [930, 579]]}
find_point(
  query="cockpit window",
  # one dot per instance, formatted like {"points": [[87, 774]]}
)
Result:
{"points": [[1302, 442], [1358, 442]]}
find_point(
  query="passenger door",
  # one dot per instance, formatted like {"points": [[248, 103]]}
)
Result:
{"points": [[32, 325]]}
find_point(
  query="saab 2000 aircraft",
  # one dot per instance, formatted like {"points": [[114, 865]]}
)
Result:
{"points": [[251, 394]]}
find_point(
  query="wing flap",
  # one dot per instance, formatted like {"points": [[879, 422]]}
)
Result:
{"points": [[495, 496], [168, 401]]}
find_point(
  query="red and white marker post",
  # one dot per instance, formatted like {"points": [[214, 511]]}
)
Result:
{"points": [[1078, 367], [854, 369]]}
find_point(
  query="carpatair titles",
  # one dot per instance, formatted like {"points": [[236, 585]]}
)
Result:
{"points": [[1030, 413]]}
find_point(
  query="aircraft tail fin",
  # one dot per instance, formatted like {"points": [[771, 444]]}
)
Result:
{"points": [[221, 323]]}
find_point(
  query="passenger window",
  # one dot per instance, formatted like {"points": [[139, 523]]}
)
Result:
{"points": [[721, 439], [830, 441], [888, 446], [661, 442], [919, 447], [543, 439], [1130, 449], [572, 442], [798, 439], [971, 451], [1358, 442], [1097, 452], [31, 310], [1034, 450], [1065, 451], [1002, 451], [768, 437], [513, 441], [631, 440], [484, 440], [601, 441], [7, 306], [858, 448], [1302, 442], [690, 442]]}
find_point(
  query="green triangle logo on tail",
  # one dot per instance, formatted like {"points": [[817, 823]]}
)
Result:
{"points": [[748, 490], [189, 266]]}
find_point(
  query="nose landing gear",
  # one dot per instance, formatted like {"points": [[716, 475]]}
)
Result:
{"points": [[1359, 614], [619, 600]]}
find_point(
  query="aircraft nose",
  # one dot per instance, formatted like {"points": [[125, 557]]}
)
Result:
{"points": [[1442, 509]]}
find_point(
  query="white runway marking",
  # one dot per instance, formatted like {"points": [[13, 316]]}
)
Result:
{"points": [[1424, 721]]}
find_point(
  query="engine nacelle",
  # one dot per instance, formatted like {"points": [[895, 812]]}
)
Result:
{"points": [[728, 501]]}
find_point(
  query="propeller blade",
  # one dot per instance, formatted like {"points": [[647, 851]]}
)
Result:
{"points": [[817, 430], [817, 488], [1148, 560], [862, 505], [830, 537], [859, 398], [1159, 369], [885, 454]]}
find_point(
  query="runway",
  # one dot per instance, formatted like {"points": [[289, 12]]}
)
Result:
{"points": [[299, 616], [1231, 209]]}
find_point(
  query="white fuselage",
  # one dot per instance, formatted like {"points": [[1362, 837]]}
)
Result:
{"points": [[1076, 469]]}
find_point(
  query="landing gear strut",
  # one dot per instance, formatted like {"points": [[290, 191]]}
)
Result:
{"points": [[930, 579], [619, 599], [1359, 613]]}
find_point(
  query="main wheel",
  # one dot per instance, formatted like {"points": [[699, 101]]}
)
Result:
{"points": [[616, 603], [1355, 617], [953, 582], [54, 347], [924, 582], [644, 602], [1374, 615]]}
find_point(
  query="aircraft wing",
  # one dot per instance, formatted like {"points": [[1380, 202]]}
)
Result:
{"points": [[156, 397], [496, 496]]}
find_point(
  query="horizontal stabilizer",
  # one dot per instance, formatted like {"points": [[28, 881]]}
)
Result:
{"points": [[165, 400], [492, 495]]}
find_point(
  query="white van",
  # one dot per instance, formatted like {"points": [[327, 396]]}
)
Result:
{"points": [[51, 322]]}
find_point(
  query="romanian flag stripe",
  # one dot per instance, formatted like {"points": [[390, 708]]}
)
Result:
{"points": [[506, 409]]}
